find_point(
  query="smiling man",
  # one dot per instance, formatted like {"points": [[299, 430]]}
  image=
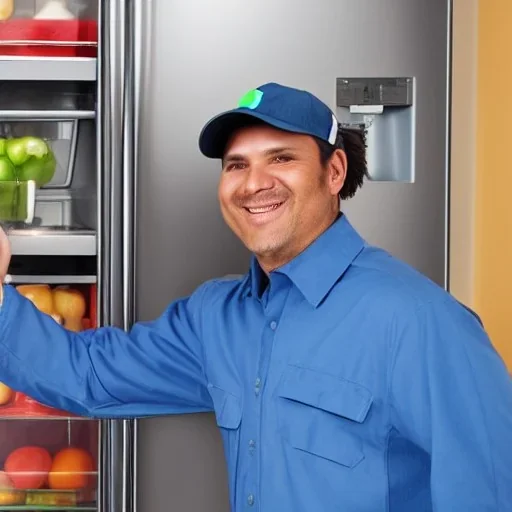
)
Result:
{"points": [[341, 378], [275, 193]]}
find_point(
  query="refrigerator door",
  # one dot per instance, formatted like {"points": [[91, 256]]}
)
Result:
{"points": [[199, 57]]}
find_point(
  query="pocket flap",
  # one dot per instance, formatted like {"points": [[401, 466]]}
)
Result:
{"points": [[328, 392], [228, 407]]}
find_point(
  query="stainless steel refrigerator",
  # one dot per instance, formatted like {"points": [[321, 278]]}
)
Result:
{"points": [[197, 58], [136, 215]]}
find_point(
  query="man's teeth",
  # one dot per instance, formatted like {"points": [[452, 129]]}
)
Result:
{"points": [[264, 209]]}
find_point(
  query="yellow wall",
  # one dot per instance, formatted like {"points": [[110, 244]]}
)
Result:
{"points": [[493, 210], [481, 164]]}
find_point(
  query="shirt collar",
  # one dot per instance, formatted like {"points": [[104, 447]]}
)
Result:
{"points": [[317, 269]]}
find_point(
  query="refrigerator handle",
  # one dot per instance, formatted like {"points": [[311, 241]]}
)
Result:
{"points": [[116, 159], [139, 32], [136, 28], [129, 161]]}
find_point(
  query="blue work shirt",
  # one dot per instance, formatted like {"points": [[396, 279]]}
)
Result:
{"points": [[349, 383]]}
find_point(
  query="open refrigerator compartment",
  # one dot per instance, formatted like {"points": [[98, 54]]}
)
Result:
{"points": [[65, 303], [46, 465], [49, 28], [47, 135]]}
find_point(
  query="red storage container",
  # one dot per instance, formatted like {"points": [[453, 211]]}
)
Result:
{"points": [[49, 38]]}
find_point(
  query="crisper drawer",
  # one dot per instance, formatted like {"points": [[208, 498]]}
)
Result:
{"points": [[48, 464], [60, 137], [47, 132]]}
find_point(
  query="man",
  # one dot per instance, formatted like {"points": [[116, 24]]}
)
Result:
{"points": [[341, 379]]}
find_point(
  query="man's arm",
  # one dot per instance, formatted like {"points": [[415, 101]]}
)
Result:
{"points": [[452, 396], [156, 368]]}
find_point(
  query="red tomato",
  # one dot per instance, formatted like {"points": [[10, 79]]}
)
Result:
{"points": [[28, 467]]}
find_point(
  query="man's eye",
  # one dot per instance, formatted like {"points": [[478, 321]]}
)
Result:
{"points": [[281, 159], [235, 166]]}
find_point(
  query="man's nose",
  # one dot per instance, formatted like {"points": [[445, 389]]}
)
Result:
{"points": [[257, 178]]}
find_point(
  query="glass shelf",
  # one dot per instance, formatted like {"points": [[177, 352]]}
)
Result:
{"points": [[59, 241], [44, 499], [26, 508], [60, 417], [56, 69]]}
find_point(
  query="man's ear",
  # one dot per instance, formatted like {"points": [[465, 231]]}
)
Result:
{"points": [[337, 171]]}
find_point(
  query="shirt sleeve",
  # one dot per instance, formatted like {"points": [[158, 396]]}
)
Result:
{"points": [[451, 395], [155, 369]]}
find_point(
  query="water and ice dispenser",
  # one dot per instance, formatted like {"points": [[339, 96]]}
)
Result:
{"points": [[385, 107]]}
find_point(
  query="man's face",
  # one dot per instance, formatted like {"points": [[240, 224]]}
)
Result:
{"points": [[275, 194]]}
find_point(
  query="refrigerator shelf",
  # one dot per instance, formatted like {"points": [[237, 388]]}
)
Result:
{"points": [[75, 499], [46, 115], [38, 279], [26, 508], [60, 69], [58, 241], [28, 417]]}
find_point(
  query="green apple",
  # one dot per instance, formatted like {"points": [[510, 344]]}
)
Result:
{"points": [[7, 170], [41, 170], [19, 150]]}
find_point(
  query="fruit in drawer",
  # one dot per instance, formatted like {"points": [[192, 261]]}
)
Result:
{"points": [[71, 469], [8, 494], [33, 159], [40, 295], [20, 149], [41, 170], [6, 9], [28, 467], [6, 394], [7, 170], [52, 499], [69, 304]]}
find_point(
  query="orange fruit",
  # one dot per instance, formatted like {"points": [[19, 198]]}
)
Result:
{"points": [[71, 469], [40, 295], [6, 394], [9, 495], [28, 466]]}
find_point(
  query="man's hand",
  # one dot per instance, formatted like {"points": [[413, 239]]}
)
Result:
{"points": [[5, 255]]}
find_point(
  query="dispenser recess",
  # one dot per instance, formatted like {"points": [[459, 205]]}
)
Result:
{"points": [[386, 109]]}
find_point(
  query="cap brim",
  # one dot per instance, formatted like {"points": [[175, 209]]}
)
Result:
{"points": [[216, 133]]}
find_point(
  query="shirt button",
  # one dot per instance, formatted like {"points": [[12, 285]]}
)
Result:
{"points": [[252, 444], [250, 500], [257, 385], [273, 325]]}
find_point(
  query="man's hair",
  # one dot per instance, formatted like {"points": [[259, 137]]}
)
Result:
{"points": [[352, 140]]}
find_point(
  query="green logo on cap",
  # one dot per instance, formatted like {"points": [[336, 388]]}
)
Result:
{"points": [[251, 99]]}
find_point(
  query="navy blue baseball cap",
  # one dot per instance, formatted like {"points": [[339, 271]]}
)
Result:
{"points": [[282, 107]]}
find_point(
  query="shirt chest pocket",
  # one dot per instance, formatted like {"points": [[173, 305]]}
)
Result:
{"points": [[323, 415]]}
